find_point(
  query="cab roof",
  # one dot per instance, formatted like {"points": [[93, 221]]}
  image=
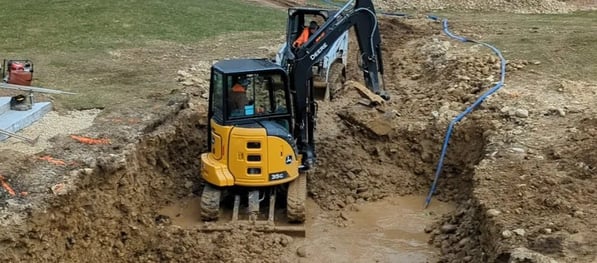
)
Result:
{"points": [[245, 66]]}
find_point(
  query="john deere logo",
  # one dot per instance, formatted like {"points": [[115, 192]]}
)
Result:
{"points": [[288, 159], [318, 51]]}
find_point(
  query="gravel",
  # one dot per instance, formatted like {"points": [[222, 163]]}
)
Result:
{"points": [[50, 125], [519, 6]]}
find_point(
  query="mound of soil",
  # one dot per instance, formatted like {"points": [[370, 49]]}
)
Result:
{"points": [[524, 6]]}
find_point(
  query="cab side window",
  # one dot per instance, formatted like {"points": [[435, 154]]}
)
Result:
{"points": [[217, 99]]}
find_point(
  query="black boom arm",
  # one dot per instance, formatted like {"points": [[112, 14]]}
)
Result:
{"points": [[362, 16]]}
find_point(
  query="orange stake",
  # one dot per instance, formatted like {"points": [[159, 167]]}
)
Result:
{"points": [[87, 140], [52, 160], [6, 186]]}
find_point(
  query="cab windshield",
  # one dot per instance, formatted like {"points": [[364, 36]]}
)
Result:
{"points": [[248, 95]]}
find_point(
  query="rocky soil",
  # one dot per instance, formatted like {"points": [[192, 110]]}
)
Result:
{"points": [[523, 6]]}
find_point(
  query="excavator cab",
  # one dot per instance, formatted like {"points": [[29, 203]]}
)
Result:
{"points": [[299, 19], [329, 72], [250, 140]]}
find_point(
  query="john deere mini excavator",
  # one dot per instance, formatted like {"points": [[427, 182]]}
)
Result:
{"points": [[262, 119]]}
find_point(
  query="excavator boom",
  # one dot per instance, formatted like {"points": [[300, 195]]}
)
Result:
{"points": [[362, 17]]}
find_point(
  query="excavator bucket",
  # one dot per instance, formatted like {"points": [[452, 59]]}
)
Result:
{"points": [[373, 98]]}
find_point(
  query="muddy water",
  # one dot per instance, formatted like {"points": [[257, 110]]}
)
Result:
{"points": [[391, 230], [185, 213]]}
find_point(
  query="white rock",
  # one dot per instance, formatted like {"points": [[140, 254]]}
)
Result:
{"points": [[519, 231], [518, 150], [493, 212], [507, 234], [521, 113]]}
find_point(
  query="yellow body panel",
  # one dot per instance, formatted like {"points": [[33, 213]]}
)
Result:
{"points": [[215, 172], [248, 157]]}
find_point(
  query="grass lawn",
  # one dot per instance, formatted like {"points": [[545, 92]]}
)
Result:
{"points": [[91, 25], [115, 51]]}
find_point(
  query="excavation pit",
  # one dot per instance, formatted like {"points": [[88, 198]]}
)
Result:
{"points": [[111, 202]]}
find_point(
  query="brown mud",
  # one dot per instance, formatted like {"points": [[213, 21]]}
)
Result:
{"points": [[390, 230]]}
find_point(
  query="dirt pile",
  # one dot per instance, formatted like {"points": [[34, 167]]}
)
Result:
{"points": [[526, 136], [523, 6], [540, 159]]}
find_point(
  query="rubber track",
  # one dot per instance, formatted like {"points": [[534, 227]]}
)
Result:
{"points": [[210, 203], [297, 195]]}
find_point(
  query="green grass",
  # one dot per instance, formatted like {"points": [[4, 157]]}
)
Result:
{"points": [[72, 42], [565, 44], [90, 24]]}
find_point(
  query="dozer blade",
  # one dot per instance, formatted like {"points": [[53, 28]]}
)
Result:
{"points": [[254, 222], [260, 226]]}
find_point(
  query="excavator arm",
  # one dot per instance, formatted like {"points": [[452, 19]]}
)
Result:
{"points": [[362, 17]]}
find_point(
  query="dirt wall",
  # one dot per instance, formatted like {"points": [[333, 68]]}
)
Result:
{"points": [[109, 212]]}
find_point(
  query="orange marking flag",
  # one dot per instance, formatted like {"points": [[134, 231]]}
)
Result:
{"points": [[87, 140], [6, 186], [52, 160]]}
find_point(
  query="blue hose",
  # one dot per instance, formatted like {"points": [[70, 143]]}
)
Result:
{"points": [[470, 108]]}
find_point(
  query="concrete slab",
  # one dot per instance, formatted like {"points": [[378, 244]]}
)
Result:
{"points": [[14, 121], [4, 104]]}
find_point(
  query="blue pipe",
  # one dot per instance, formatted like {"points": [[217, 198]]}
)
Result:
{"points": [[470, 108]]}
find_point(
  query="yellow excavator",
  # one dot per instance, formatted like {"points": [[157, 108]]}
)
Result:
{"points": [[262, 120]]}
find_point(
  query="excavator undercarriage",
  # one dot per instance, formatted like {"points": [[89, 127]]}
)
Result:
{"points": [[256, 209]]}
